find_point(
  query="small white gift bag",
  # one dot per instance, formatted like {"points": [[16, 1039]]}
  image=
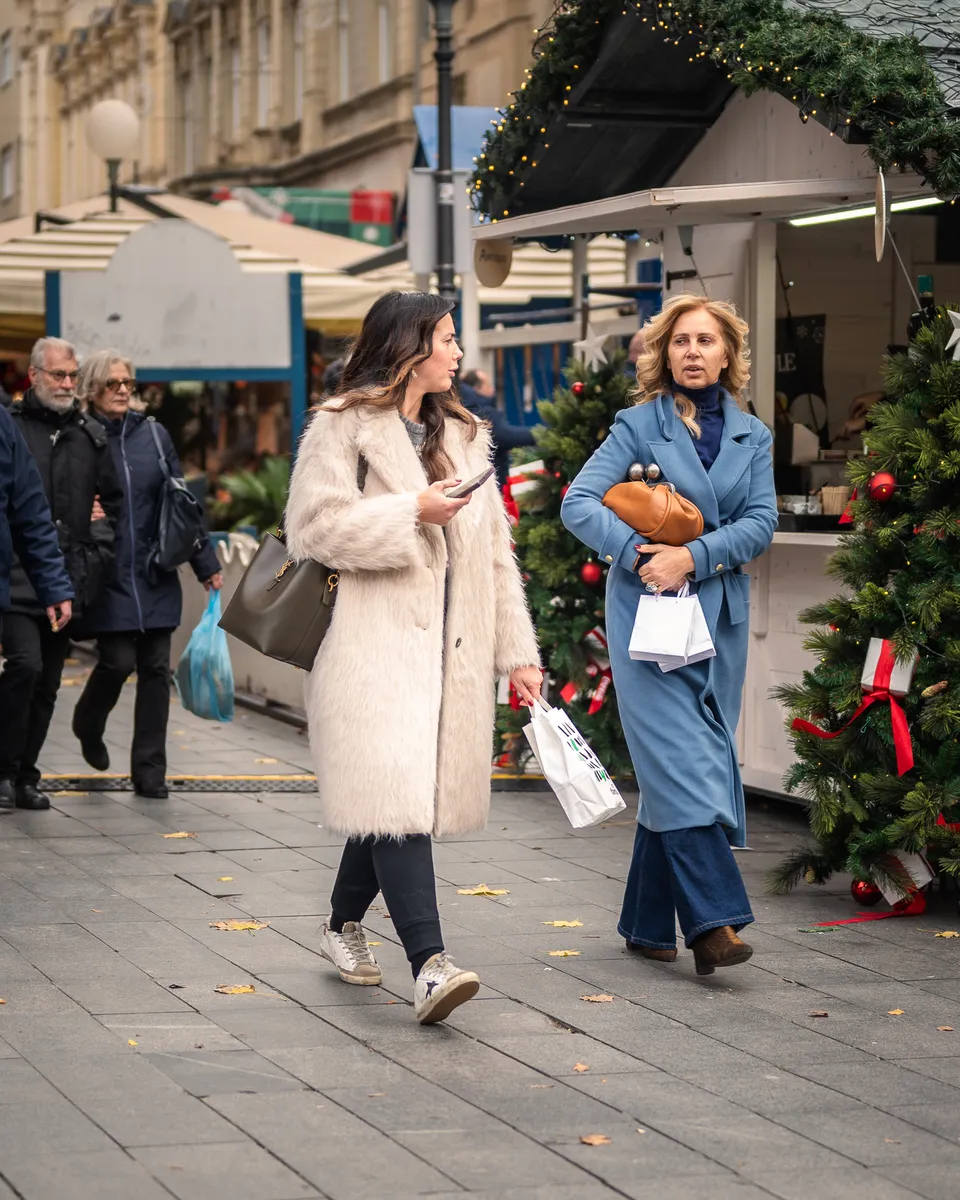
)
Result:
{"points": [[671, 631], [585, 790]]}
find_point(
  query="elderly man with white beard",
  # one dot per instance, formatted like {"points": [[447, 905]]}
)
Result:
{"points": [[85, 499]]}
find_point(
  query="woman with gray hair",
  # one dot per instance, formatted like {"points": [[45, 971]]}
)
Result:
{"points": [[139, 609]]}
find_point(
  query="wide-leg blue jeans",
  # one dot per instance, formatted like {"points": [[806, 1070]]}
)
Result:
{"points": [[685, 873]]}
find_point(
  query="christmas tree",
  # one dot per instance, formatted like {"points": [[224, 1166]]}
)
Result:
{"points": [[565, 583], [858, 726]]}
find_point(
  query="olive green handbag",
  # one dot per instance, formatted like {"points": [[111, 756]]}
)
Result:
{"points": [[284, 608]]}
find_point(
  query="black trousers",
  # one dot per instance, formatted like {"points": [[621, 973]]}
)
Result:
{"points": [[147, 653], [28, 692], [402, 869]]}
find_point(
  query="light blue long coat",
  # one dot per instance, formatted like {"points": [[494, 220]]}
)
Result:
{"points": [[680, 726]]}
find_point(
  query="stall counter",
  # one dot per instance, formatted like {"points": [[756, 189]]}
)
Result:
{"points": [[790, 577]]}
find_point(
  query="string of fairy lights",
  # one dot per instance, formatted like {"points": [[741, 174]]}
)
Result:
{"points": [[886, 92]]}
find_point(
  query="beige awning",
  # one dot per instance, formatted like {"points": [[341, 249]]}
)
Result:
{"points": [[332, 301]]}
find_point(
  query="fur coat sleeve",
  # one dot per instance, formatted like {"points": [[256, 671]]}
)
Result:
{"points": [[328, 520]]}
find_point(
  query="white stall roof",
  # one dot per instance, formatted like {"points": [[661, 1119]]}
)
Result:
{"points": [[709, 205], [331, 299]]}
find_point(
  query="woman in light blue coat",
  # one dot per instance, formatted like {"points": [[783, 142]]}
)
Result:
{"points": [[686, 428]]}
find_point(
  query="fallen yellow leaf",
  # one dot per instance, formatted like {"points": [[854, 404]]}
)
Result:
{"points": [[580, 1068], [948, 933], [268, 760], [595, 1139], [374, 943], [945, 1029], [540, 1087], [2, 1001], [181, 834], [235, 925], [894, 1012], [601, 999], [564, 924], [224, 879], [482, 890], [131, 1042], [641, 1131], [73, 794], [240, 989], [564, 953]]}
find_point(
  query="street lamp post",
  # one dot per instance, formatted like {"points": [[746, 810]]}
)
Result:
{"points": [[443, 28], [113, 134]]}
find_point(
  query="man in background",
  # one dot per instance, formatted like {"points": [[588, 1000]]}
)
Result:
{"points": [[85, 502], [28, 534], [638, 343], [479, 396]]}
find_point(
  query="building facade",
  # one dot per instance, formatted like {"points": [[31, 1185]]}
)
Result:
{"points": [[310, 93], [321, 92]]}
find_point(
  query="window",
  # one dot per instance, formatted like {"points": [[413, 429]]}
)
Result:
{"points": [[384, 72], [263, 74], [298, 61], [6, 58], [343, 50], [235, 81], [8, 174]]}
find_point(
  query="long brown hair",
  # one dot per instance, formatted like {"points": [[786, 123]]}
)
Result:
{"points": [[396, 336], [653, 366]]}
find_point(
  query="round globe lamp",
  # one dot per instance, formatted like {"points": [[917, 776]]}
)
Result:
{"points": [[113, 134]]}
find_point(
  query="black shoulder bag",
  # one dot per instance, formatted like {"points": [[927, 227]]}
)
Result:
{"points": [[180, 528]]}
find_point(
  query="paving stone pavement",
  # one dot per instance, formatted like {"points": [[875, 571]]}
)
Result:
{"points": [[124, 1074]]}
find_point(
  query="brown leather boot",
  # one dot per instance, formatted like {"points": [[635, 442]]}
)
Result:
{"points": [[719, 948], [651, 952]]}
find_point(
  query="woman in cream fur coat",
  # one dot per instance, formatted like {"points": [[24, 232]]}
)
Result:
{"points": [[430, 610]]}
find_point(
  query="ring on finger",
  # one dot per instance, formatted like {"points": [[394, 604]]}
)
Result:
{"points": [[652, 587]]}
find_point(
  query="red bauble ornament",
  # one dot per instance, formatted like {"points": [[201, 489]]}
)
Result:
{"points": [[881, 487], [591, 574], [564, 490], [577, 388], [865, 893]]}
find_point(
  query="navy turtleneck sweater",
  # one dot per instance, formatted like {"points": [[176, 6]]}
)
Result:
{"points": [[709, 418]]}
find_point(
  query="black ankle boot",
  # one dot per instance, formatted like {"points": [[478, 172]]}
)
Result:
{"points": [[31, 797]]}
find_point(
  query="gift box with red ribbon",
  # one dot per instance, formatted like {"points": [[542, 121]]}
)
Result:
{"points": [[883, 678], [882, 671]]}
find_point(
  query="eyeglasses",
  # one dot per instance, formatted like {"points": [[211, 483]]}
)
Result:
{"points": [[114, 385], [60, 376]]}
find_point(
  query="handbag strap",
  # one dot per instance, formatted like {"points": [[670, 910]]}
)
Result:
{"points": [[161, 453]]}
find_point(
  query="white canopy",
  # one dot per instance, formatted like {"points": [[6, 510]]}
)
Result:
{"points": [[709, 205]]}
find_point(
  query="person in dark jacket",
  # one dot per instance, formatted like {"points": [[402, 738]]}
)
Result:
{"points": [[478, 395], [138, 610], [28, 536], [85, 501]]}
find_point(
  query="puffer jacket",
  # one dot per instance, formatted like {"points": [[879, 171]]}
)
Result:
{"points": [[135, 599], [72, 455]]}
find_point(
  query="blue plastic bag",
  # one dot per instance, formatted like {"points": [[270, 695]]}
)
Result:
{"points": [[204, 676]]}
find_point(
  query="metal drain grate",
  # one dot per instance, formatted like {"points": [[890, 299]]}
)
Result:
{"points": [[184, 783]]}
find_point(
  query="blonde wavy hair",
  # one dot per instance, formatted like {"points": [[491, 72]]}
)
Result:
{"points": [[653, 366]]}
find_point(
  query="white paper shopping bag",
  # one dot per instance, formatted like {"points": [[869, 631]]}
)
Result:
{"points": [[671, 631], [585, 790]]}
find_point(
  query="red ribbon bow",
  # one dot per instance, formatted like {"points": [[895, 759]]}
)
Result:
{"points": [[898, 718]]}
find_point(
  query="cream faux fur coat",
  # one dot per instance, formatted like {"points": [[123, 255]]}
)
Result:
{"points": [[400, 703]]}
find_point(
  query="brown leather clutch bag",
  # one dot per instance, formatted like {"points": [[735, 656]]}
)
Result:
{"points": [[658, 513]]}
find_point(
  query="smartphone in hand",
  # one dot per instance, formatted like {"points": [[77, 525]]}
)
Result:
{"points": [[469, 485]]}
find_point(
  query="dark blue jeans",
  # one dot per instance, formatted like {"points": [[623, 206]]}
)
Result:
{"points": [[685, 873]]}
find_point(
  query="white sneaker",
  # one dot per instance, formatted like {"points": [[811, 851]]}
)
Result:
{"points": [[441, 987], [350, 954]]}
